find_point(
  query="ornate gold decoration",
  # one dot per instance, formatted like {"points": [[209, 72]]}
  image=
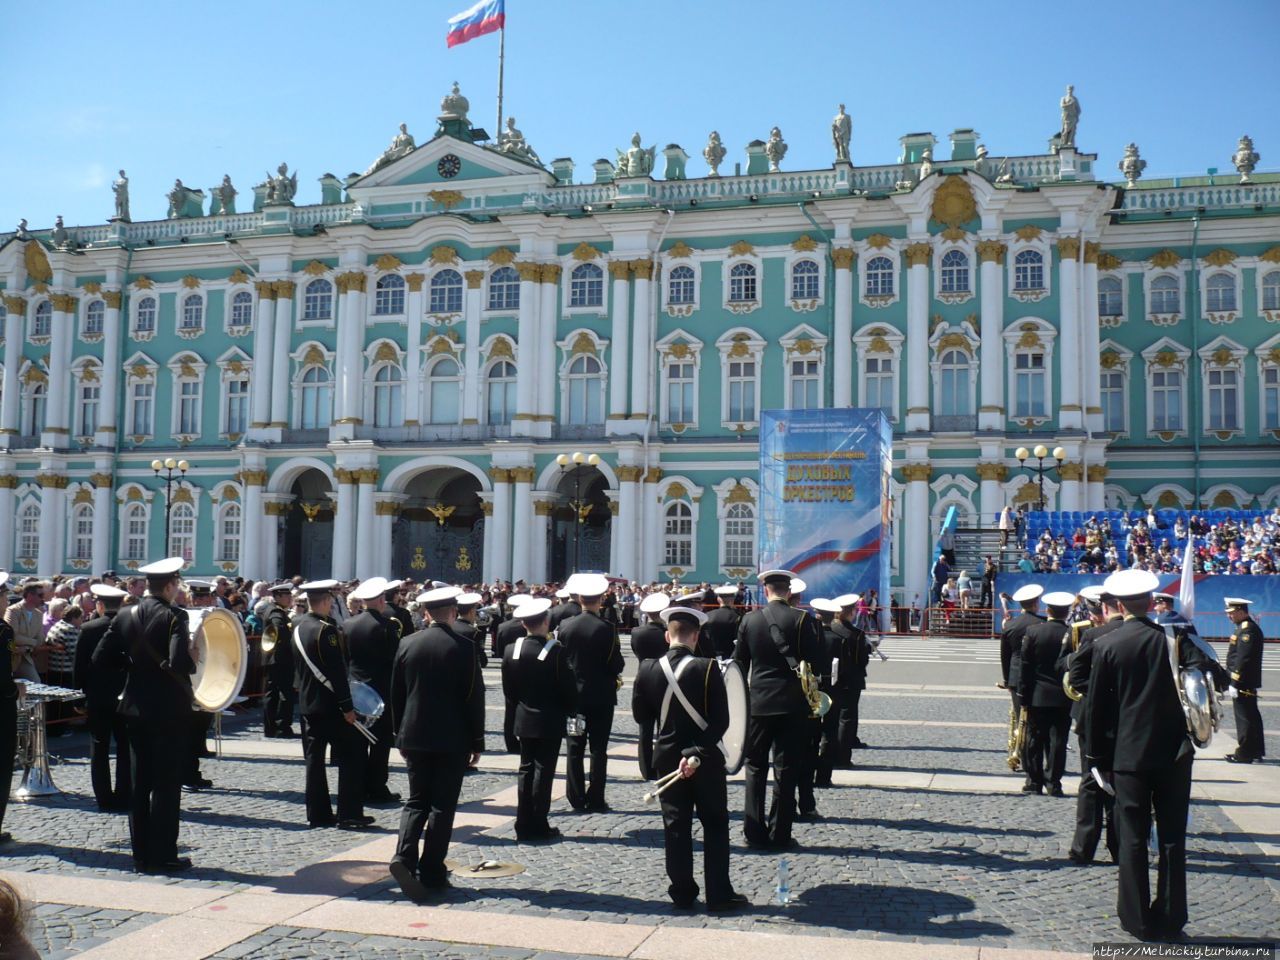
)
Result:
{"points": [[446, 198], [443, 254], [677, 491], [144, 283], [474, 279], [680, 250], [1091, 251], [550, 273], [1110, 360], [1274, 355], [804, 243], [630, 474], [679, 350], [313, 356], [879, 241], [1271, 255], [353, 282], [993, 471], [63, 302], [100, 480], [653, 475], [953, 202], [1027, 493], [879, 345], [486, 507], [918, 254], [266, 289], [740, 347], [584, 252], [1222, 356], [842, 258], [917, 471], [957, 340], [53, 481], [34, 375], [8, 482], [183, 495], [367, 475], [501, 257], [93, 286], [191, 281], [804, 346], [953, 235], [386, 508], [1028, 232], [37, 264], [583, 343], [1165, 259], [620, 269], [140, 371], [315, 269], [15, 305], [991, 251], [1220, 257], [386, 353], [285, 289], [89, 373], [741, 249], [1097, 472], [522, 474], [529, 271], [1108, 261], [113, 299], [414, 281], [643, 269], [1167, 358], [1068, 248], [388, 261], [739, 493], [501, 348], [499, 475], [1030, 338], [1070, 470]]}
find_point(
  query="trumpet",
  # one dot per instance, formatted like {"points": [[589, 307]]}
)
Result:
{"points": [[665, 782]]}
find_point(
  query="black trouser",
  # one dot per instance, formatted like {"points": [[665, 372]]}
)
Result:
{"points": [[599, 726], [435, 780], [197, 744], [783, 735], [839, 734], [809, 765], [1094, 806], [319, 731], [8, 747], [1250, 743], [1045, 757], [509, 738], [377, 756], [848, 731], [277, 713], [538, 756], [157, 750], [705, 791], [105, 723], [1168, 790]]}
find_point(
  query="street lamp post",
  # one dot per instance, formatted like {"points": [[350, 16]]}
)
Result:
{"points": [[563, 462], [1040, 452], [169, 465]]}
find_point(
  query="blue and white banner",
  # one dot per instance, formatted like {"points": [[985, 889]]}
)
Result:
{"points": [[826, 507]]}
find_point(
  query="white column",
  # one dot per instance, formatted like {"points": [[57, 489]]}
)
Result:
{"points": [[260, 389], [384, 518], [625, 524], [53, 517], [915, 573], [1091, 337], [1070, 413], [9, 406], [619, 345], [107, 404], [541, 523], [501, 544], [615, 508], [350, 349], [842, 345], [472, 389], [252, 564], [991, 413], [279, 375], [365, 534], [547, 335], [487, 573], [521, 527], [650, 526], [102, 519], [641, 346], [8, 481], [344, 526], [413, 356], [918, 255], [1071, 491], [59, 400], [275, 508], [990, 492], [1096, 487], [527, 367]]}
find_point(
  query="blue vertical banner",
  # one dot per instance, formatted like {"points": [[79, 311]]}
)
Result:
{"points": [[825, 503]]}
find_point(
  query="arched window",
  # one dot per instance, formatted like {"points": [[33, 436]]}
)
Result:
{"points": [[388, 296], [678, 535], [955, 272], [82, 532], [586, 391], [804, 280], [192, 312], [880, 277], [504, 289], [315, 399], [242, 309], [954, 386], [445, 393], [1271, 291], [135, 532], [501, 392], [29, 532], [42, 326], [388, 396], [317, 300], [1110, 297], [182, 532], [1164, 295], [229, 533], [1220, 292], [1028, 270], [146, 316], [95, 317], [446, 292], [742, 283], [680, 285], [586, 286], [740, 536], [37, 399]]}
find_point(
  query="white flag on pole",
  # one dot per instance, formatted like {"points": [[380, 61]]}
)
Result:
{"points": [[1187, 589]]}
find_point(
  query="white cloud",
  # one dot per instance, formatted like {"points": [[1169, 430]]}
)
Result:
{"points": [[92, 177]]}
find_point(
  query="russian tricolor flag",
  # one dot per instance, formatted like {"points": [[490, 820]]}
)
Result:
{"points": [[486, 16]]}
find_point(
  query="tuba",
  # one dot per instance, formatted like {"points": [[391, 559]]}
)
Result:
{"points": [[819, 702], [1196, 692]]}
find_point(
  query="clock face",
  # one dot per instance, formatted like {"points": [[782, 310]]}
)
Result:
{"points": [[449, 166]]}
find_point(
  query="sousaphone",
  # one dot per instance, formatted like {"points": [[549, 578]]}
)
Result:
{"points": [[222, 657]]}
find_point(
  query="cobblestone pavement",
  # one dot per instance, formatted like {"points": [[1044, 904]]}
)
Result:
{"points": [[60, 931], [291, 943]]}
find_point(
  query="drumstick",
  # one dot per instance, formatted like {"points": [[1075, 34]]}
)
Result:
{"points": [[669, 779], [365, 732]]}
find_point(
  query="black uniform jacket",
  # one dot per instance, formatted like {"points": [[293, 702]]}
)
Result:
{"points": [[1133, 717], [150, 641], [592, 649], [775, 687], [722, 629], [403, 617], [509, 631], [8, 688], [543, 689], [437, 693], [102, 686], [1011, 646], [282, 656], [372, 639], [564, 611], [853, 652], [326, 647], [1080, 664], [649, 641], [1039, 678], [702, 683], [1244, 656], [467, 629]]}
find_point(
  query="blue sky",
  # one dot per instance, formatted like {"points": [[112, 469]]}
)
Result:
{"points": [[199, 89]]}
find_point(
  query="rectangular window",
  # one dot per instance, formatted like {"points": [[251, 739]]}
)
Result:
{"points": [[89, 399], [678, 545], [229, 545], [135, 542], [237, 406], [1113, 413], [742, 391], [739, 537], [805, 385], [143, 408], [879, 383], [1271, 398], [1223, 393], [680, 393], [1166, 400], [188, 407], [82, 535], [1029, 385], [29, 532]]}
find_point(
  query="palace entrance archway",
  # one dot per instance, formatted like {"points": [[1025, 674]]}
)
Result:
{"points": [[439, 534], [308, 528], [581, 523]]}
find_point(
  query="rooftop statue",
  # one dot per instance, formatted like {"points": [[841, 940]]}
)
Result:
{"points": [[511, 141], [21, 231], [121, 189], [714, 153], [401, 145], [926, 162], [1070, 118], [281, 188], [60, 237], [226, 195], [775, 149], [1245, 158], [184, 202], [1132, 165], [454, 106], [980, 161], [636, 162], [841, 131]]}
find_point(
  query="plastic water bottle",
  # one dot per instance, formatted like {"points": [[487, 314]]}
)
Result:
{"points": [[783, 889]]}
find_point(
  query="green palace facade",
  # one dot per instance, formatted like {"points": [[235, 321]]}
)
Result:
{"points": [[386, 381]]}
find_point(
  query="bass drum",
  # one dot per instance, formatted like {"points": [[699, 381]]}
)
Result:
{"points": [[223, 657], [734, 744]]}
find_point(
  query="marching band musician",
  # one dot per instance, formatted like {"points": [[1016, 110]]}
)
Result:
{"points": [[1244, 663], [507, 633], [437, 702], [324, 700], [1028, 597], [567, 607], [595, 656], [825, 612], [1047, 704], [1137, 738], [537, 678], [151, 642], [722, 622], [649, 639], [8, 706], [1166, 612], [853, 654], [771, 642], [1094, 806], [102, 688], [200, 594], [465, 625], [372, 639], [277, 717], [683, 697], [393, 595]]}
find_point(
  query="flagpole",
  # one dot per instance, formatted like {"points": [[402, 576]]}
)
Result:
{"points": [[502, 55]]}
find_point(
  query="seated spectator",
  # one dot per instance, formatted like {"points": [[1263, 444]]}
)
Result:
{"points": [[1078, 538]]}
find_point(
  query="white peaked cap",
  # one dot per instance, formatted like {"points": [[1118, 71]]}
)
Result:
{"points": [[1124, 584], [1030, 591], [654, 603], [532, 608], [587, 584], [162, 568], [370, 589], [1059, 598]]}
